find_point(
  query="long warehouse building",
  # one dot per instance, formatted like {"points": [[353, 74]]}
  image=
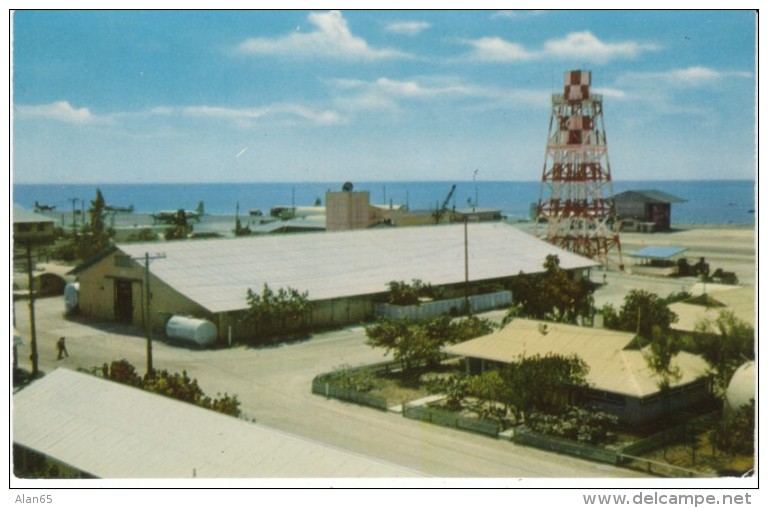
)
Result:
{"points": [[345, 274]]}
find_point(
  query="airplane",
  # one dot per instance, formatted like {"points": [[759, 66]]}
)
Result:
{"points": [[126, 209], [44, 208], [169, 216]]}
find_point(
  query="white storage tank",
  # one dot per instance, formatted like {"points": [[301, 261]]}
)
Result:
{"points": [[197, 332], [741, 388], [71, 298]]}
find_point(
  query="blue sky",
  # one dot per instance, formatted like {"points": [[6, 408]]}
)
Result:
{"points": [[291, 96]]}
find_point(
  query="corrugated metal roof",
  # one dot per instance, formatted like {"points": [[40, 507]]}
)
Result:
{"points": [[652, 195], [20, 216], [612, 367], [658, 252], [114, 431], [217, 273], [738, 299]]}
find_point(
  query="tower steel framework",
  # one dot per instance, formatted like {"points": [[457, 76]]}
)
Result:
{"points": [[576, 194]]}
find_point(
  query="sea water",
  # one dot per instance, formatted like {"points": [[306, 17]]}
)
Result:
{"points": [[707, 201]]}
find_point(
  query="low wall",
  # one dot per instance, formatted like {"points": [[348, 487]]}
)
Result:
{"points": [[449, 419], [322, 386], [429, 310], [523, 435]]}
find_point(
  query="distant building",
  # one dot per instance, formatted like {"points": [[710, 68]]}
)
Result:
{"points": [[620, 381], [345, 210], [709, 300], [645, 210], [31, 227], [473, 214]]}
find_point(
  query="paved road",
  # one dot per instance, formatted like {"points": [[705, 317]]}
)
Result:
{"points": [[273, 384]]}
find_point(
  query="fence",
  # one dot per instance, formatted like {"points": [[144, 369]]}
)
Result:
{"points": [[322, 385], [429, 310], [671, 435], [449, 419], [525, 436]]}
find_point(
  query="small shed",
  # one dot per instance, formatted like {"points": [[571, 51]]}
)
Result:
{"points": [[646, 210], [656, 260]]}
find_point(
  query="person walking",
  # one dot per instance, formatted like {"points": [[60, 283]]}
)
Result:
{"points": [[61, 348]]}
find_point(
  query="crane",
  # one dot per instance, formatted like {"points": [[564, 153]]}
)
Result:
{"points": [[438, 215]]}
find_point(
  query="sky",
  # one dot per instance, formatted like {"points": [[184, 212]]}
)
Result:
{"points": [[397, 95]]}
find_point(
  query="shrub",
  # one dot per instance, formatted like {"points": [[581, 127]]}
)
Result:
{"points": [[577, 424], [357, 380]]}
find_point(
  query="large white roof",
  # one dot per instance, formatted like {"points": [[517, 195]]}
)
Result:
{"points": [[217, 273], [113, 431]]}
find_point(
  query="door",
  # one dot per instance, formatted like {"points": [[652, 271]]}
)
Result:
{"points": [[124, 301]]}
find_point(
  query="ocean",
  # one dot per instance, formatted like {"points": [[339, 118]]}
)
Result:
{"points": [[708, 202]]}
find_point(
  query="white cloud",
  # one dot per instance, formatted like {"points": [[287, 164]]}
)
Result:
{"points": [[317, 117], [681, 78], [61, 111], [585, 45], [386, 94], [613, 93], [408, 27], [331, 38], [415, 89], [495, 49], [517, 14]]}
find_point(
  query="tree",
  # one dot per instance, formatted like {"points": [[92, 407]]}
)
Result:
{"points": [[409, 343], [489, 388], [725, 344], [402, 293], [640, 313], [662, 349], [269, 312], [555, 295], [735, 433], [180, 229], [543, 383], [173, 385], [419, 343]]}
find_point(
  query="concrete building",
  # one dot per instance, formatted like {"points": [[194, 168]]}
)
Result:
{"points": [[645, 210], [344, 273], [620, 381], [90, 427]]}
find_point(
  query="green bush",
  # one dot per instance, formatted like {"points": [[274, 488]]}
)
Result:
{"points": [[577, 424], [174, 385], [360, 380]]}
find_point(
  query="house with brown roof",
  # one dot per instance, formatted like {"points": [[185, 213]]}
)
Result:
{"points": [[619, 379]]}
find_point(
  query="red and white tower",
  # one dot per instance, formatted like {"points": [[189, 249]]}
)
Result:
{"points": [[576, 195]]}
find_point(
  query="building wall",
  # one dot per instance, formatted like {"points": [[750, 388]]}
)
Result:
{"points": [[637, 207], [347, 210], [98, 285], [639, 411], [33, 231], [630, 207], [323, 314]]}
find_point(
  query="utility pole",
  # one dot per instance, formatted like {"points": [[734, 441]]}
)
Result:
{"points": [[32, 331], [147, 306], [74, 222], [466, 267]]}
